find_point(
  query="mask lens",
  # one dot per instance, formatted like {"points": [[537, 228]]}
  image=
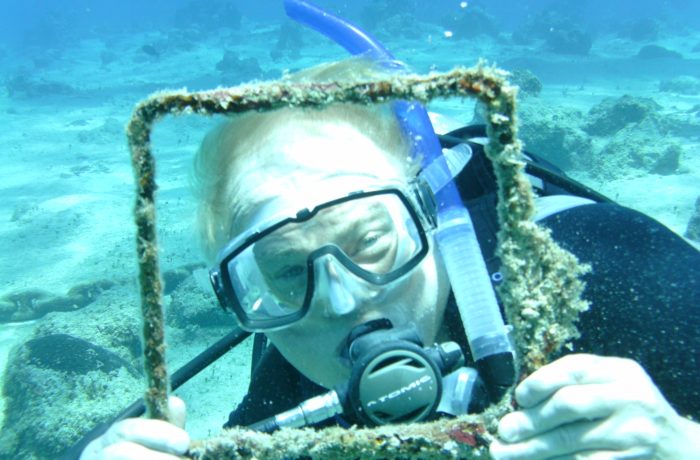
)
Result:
{"points": [[373, 236], [256, 300]]}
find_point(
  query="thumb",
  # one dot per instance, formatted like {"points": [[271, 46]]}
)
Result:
{"points": [[177, 409]]}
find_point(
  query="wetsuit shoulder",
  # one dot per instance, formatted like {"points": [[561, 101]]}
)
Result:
{"points": [[644, 290]]}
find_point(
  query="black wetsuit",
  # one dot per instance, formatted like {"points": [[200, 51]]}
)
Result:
{"points": [[644, 291]]}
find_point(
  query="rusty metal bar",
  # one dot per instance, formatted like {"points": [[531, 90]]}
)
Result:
{"points": [[541, 292]]}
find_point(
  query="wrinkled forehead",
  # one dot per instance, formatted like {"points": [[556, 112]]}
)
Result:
{"points": [[312, 194], [299, 168]]}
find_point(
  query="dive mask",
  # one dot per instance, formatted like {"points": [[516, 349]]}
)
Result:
{"points": [[341, 250]]}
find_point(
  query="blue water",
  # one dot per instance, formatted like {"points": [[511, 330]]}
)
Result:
{"points": [[71, 72], [20, 18], [36, 21]]}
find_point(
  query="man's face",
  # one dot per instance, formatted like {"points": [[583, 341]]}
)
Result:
{"points": [[366, 230], [314, 167]]}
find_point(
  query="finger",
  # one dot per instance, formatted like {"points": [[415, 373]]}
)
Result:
{"points": [[178, 412], [563, 441], [131, 451], [569, 404], [578, 438], [155, 434], [629, 454], [93, 450], [569, 370]]}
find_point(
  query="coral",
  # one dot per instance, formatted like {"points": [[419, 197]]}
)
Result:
{"points": [[684, 123], [23, 210], [232, 67], [23, 85], [537, 26], [108, 133], [571, 41], [288, 43], [173, 278], [392, 19], [684, 84], [34, 303], [642, 29], [560, 33], [669, 161], [193, 308], [657, 52], [554, 133], [527, 82], [692, 231], [47, 409], [638, 137], [67, 353], [638, 149], [471, 22], [541, 292], [107, 57], [458, 438], [73, 372], [384, 16], [611, 115], [76, 371]]}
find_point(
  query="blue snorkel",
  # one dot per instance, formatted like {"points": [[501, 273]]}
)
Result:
{"points": [[456, 239]]}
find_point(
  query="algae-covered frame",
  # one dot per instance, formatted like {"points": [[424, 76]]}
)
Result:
{"points": [[541, 291]]}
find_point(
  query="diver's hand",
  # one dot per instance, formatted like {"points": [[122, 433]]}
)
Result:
{"points": [[592, 407], [138, 438]]}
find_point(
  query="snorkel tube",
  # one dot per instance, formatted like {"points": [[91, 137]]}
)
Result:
{"points": [[456, 238]]}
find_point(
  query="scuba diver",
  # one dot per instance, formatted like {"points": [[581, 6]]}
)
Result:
{"points": [[361, 245]]}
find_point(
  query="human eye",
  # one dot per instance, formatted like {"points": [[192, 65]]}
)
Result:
{"points": [[289, 282], [290, 273], [370, 239], [372, 246]]}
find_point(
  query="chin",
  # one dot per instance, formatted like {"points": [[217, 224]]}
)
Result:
{"points": [[333, 375]]}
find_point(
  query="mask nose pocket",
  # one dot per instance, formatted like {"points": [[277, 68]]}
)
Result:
{"points": [[338, 291]]}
